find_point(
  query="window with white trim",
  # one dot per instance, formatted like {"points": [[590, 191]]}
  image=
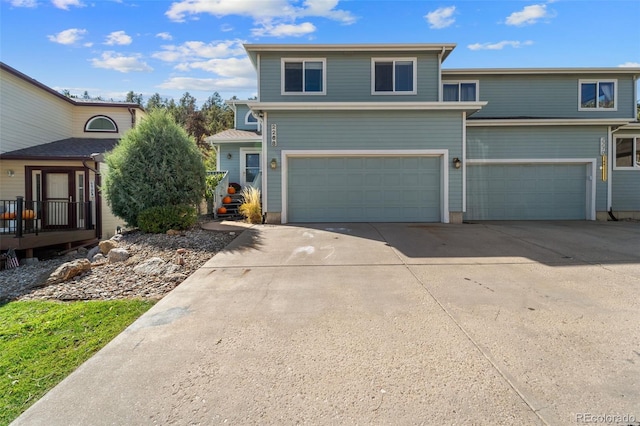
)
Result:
{"points": [[627, 152], [460, 91], [597, 95], [100, 123], [393, 76], [250, 119], [304, 76]]}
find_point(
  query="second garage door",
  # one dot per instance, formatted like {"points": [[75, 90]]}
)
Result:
{"points": [[526, 192], [364, 189]]}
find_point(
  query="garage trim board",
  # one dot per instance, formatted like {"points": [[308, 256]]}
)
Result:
{"points": [[590, 164], [442, 153]]}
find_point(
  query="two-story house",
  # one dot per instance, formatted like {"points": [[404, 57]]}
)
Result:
{"points": [[51, 163], [383, 133]]}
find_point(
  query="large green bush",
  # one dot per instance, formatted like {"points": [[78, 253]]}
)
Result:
{"points": [[155, 164], [160, 219]]}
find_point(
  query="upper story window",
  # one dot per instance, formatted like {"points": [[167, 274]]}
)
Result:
{"points": [[303, 76], [597, 95], [249, 118], [100, 123], [393, 76], [627, 153], [460, 91]]}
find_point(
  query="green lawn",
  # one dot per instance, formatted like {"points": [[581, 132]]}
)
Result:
{"points": [[42, 342]]}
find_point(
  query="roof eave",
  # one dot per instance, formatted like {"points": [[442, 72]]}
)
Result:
{"points": [[366, 106]]}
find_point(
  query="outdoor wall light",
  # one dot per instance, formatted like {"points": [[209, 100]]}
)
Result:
{"points": [[274, 164], [11, 173], [229, 156], [457, 163]]}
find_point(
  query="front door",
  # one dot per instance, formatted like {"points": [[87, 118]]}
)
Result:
{"points": [[249, 165], [58, 195]]}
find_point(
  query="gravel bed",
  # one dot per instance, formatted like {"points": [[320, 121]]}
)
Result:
{"points": [[107, 281]]}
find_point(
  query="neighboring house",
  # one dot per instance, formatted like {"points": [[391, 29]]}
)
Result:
{"points": [[51, 160], [382, 133]]}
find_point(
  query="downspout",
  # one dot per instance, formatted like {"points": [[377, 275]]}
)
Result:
{"points": [[440, 55], [132, 111], [98, 184]]}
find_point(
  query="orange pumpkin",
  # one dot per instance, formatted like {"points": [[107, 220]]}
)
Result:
{"points": [[8, 215], [222, 210], [231, 190], [226, 200], [28, 214]]}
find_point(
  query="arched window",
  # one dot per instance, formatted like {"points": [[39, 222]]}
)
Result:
{"points": [[250, 118], [101, 123]]}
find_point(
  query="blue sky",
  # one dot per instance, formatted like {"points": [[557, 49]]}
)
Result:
{"points": [[109, 47]]}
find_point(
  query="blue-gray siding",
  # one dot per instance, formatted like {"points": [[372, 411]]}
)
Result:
{"points": [[526, 192], [539, 142], [364, 189], [348, 77], [241, 113], [625, 190], [232, 165], [544, 96], [365, 130]]}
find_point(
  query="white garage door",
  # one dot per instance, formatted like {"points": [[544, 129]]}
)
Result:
{"points": [[364, 189], [526, 192]]}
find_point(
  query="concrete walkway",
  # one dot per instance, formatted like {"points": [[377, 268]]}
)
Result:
{"points": [[493, 323]]}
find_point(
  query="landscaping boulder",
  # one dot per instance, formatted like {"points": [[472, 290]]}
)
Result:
{"points": [[118, 255], [155, 266], [91, 254], [106, 246], [68, 270]]}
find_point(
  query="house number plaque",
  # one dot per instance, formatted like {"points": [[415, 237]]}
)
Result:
{"points": [[274, 135]]}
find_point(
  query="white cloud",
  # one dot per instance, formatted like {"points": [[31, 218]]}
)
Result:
{"points": [[229, 67], [284, 30], [64, 4], [195, 50], [70, 36], [164, 36], [500, 45], [260, 10], [24, 3], [118, 38], [208, 84], [630, 65], [441, 17], [122, 63], [529, 15]]}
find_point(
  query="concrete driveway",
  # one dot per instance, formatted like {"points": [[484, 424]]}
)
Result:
{"points": [[491, 323]]}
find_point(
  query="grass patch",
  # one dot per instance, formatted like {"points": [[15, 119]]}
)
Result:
{"points": [[42, 342]]}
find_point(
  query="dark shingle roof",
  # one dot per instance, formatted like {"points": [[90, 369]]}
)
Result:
{"points": [[65, 149]]}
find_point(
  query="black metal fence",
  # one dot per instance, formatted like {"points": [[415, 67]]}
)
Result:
{"points": [[19, 217]]}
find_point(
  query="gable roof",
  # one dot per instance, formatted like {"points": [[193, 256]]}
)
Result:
{"points": [[65, 149], [234, 135], [73, 101]]}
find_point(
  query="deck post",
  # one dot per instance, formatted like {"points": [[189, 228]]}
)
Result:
{"points": [[19, 220]]}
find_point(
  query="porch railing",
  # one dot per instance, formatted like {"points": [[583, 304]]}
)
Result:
{"points": [[221, 189], [19, 217]]}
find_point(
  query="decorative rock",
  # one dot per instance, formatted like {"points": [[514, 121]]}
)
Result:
{"points": [[83, 251], [118, 255], [69, 270], [93, 252], [155, 266], [181, 251], [173, 232], [176, 277], [98, 258], [178, 259], [106, 246]]}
